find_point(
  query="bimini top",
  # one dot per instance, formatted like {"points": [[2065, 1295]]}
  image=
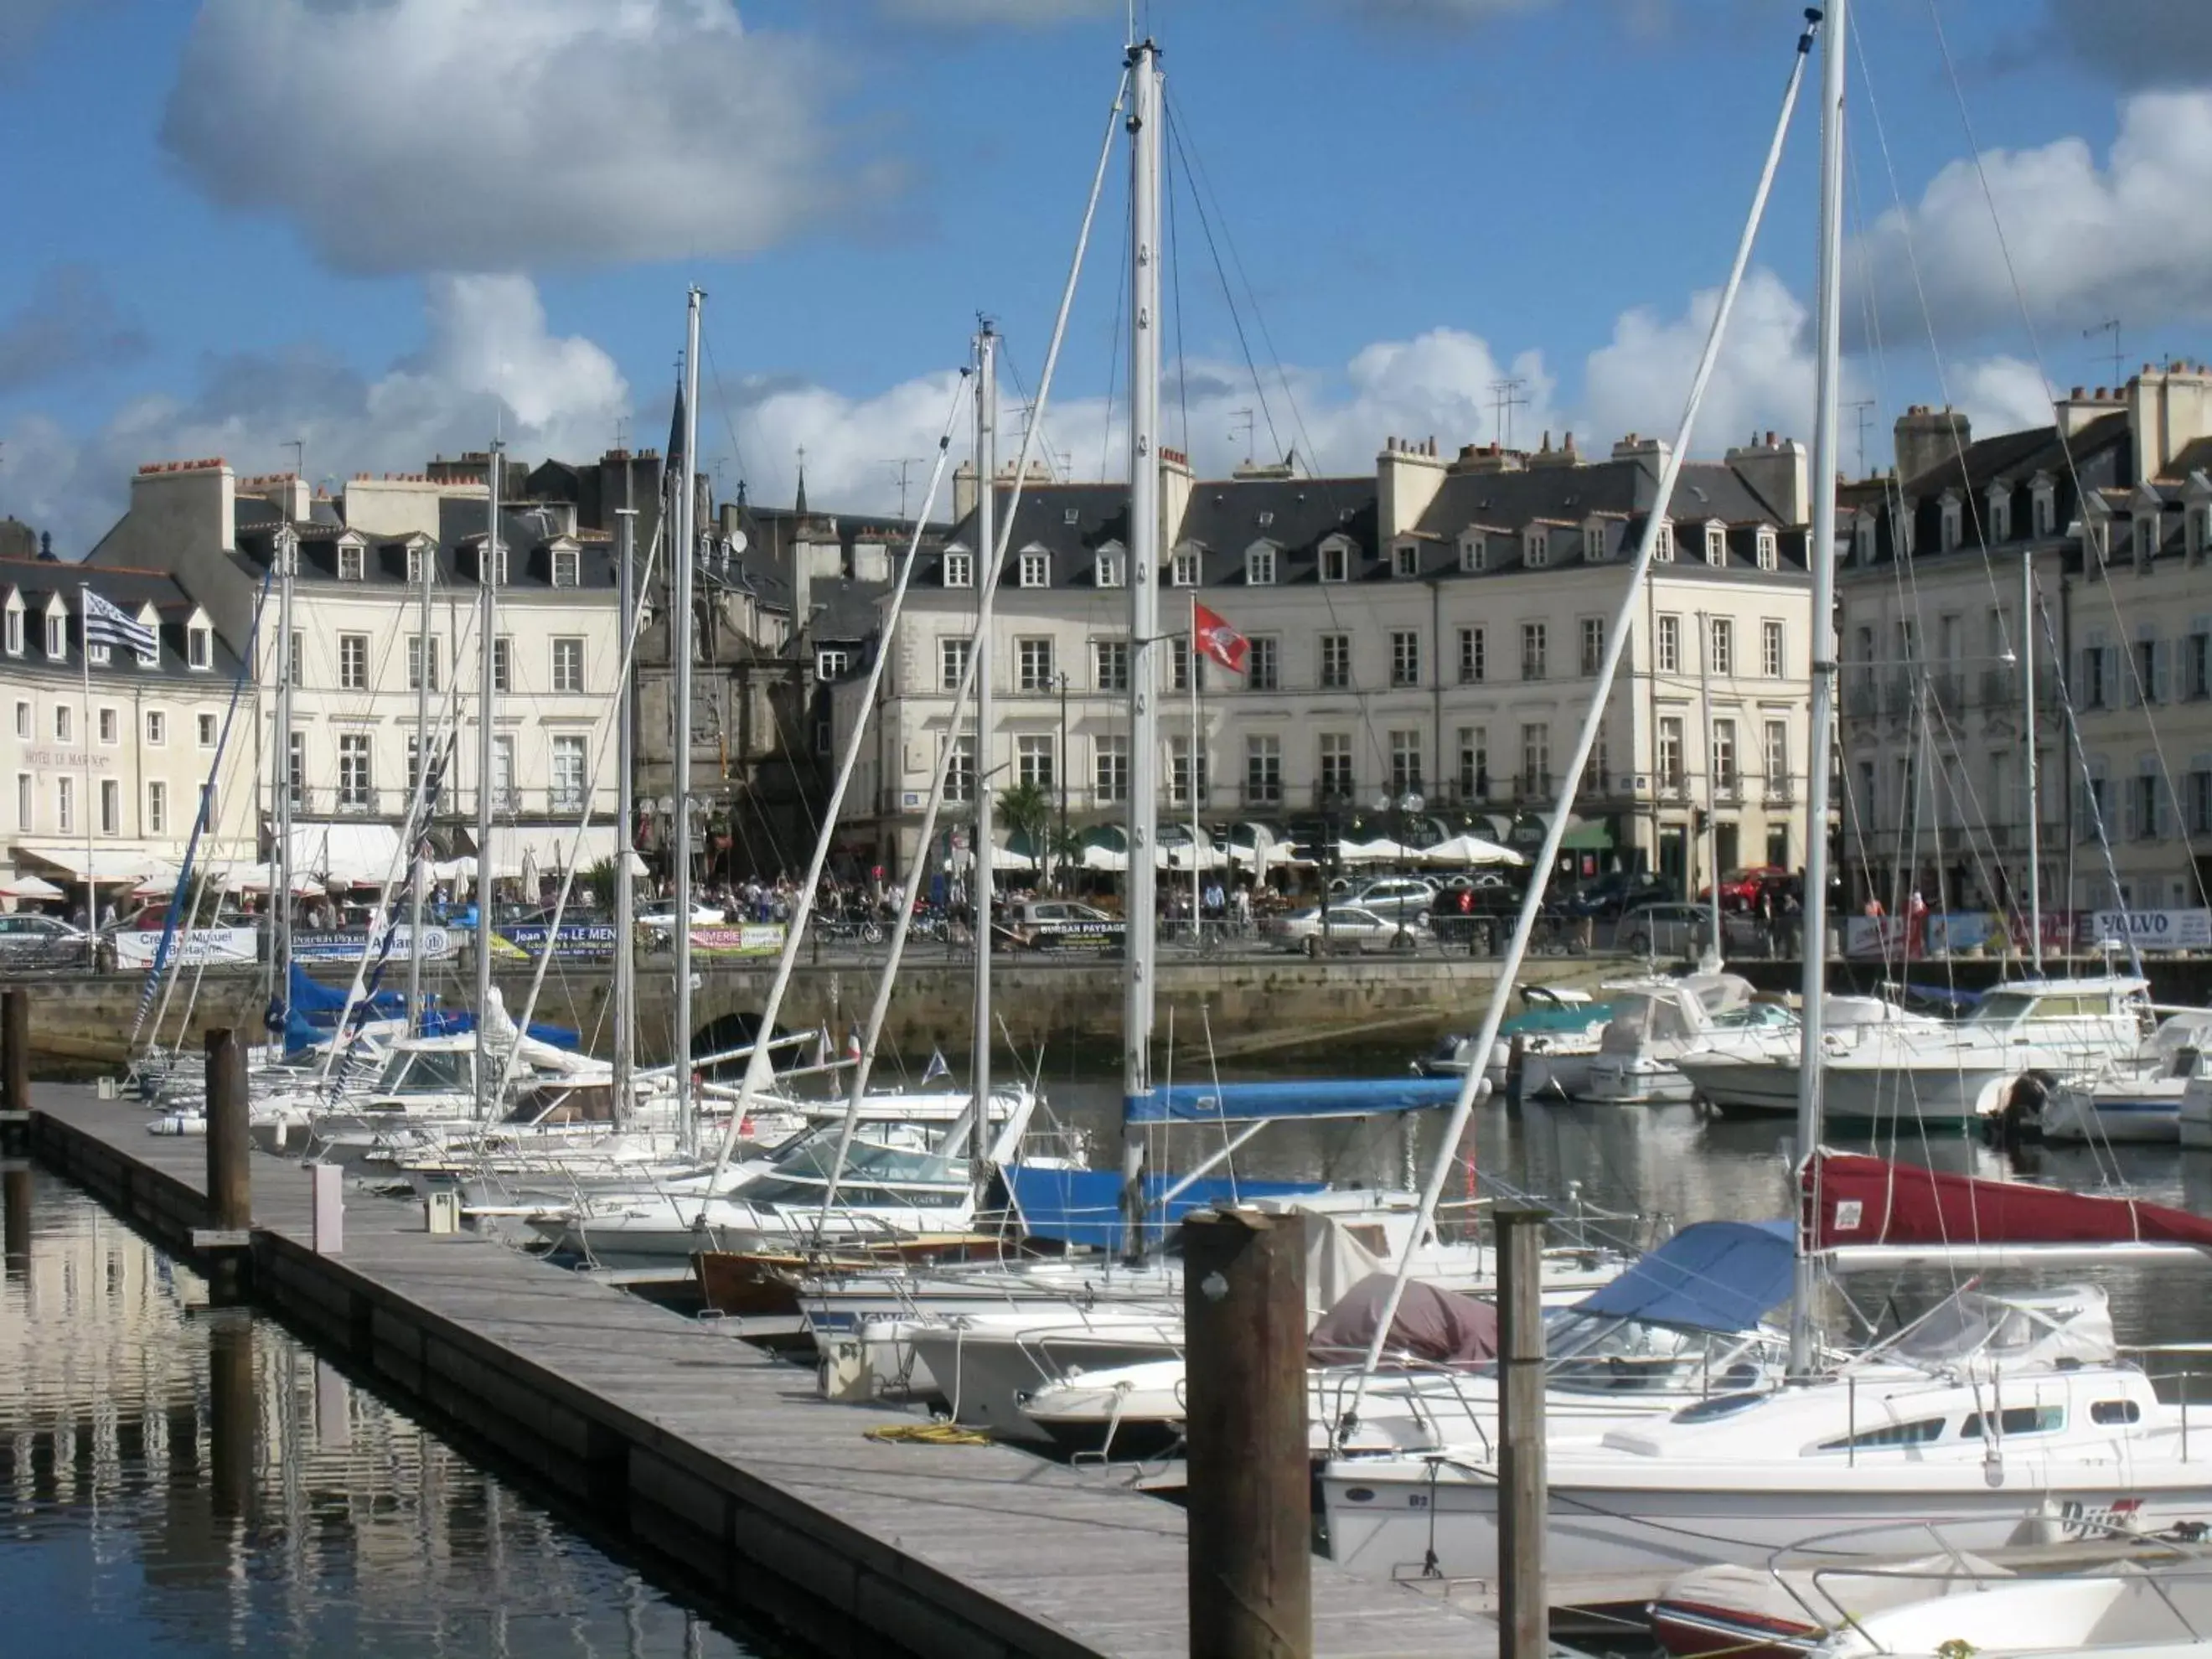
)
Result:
{"points": [[1084, 1206], [1710, 1276], [1304, 1097]]}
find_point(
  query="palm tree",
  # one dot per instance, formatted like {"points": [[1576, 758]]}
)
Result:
{"points": [[1026, 810]]}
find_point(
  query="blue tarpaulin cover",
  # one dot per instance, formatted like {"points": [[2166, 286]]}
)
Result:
{"points": [[1084, 1206], [1305, 1097], [1711, 1276]]}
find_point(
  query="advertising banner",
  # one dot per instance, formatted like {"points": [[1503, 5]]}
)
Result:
{"points": [[439, 944], [578, 941], [136, 947], [2152, 930], [751, 938]]}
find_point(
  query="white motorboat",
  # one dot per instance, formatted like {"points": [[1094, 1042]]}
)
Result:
{"points": [[2137, 1099], [1655, 1021], [1557, 1023]]}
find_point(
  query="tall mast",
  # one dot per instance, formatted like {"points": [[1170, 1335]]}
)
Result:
{"points": [[683, 545], [487, 690], [418, 833], [986, 544], [1821, 555], [1143, 615], [288, 554], [625, 974], [2035, 781]]}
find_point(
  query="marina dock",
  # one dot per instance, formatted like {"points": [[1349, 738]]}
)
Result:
{"points": [[706, 1452]]}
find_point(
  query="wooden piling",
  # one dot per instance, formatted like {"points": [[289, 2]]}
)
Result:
{"points": [[15, 1191], [14, 1051], [231, 1426], [229, 1180], [1517, 1066], [1250, 1530], [1523, 1617]]}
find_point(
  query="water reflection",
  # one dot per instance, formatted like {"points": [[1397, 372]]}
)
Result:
{"points": [[191, 1481]]}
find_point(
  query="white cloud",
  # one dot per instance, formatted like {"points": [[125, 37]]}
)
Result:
{"points": [[2087, 241], [488, 134], [2001, 394], [486, 359], [70, 322]]}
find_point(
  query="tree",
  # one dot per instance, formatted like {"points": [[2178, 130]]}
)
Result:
{"points": [[1026, 810]]}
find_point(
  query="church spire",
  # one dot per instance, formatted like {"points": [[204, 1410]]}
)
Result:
{"points": [[798, 507]]}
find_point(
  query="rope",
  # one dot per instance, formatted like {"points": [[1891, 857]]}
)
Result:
{"points": [[936, 1432]]}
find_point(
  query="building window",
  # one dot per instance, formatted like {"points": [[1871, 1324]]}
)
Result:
{"points": [[570, 770], [1405, 762], [1715, 544], [2146, 808], [417, 646], [1593, 645], [1110, 769], [1532, 651], [568, 664], [351, 559], [2196, 663], [297, 664], [111, 726], [207, 731], [2147, 525], [831, 662], [960, 570], [1033, 665], [1474, 656], [1335, 662], [1536, 547], [1179, 665], [1033, 761], [2000, 516], [1473, 554], [960, 772], [352, 662], [1405, 559], [1335, 774], [2047, 511], [1336, 561], [1261, 658], [413, 764], [1536, 758], [1037, 570], [498, 565], [355, 778], [110, 807], [1183, 569], [503, 663], [100, 655], [1593, 543], [1404, 657], [951, 663], [1263, 771], [1260, 566], [23, 721], [27, 800], [1953, 525], [1724, 638], [56, 637], [65, 804], [1113, 570], [62, 723], [1724, 757], [2200, 530], [1777, 760], [15, 632], [1181, 775], [1110, 665], [296, 767], [1663, 545], [157, 728], [419, 564], [157, 808], [567, 568], [207, 806], [152, 624], [1770, 549], [1670, 753], [1771, 662], [502, 772], [1473, 762]]}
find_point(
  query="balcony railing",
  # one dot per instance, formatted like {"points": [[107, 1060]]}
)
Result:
{"points": [[556, 802]]}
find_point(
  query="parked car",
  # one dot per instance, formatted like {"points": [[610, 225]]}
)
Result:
{"points": [[28, 939], [1680, 930], [661, 917], [1346, 929], [1607, 897], [1394, 897], [1740, 889]]}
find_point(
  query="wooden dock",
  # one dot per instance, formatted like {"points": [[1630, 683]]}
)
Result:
{"points": [[709, 1453]]}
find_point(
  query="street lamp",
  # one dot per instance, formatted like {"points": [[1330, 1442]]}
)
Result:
{"points": [[1059, 848]]}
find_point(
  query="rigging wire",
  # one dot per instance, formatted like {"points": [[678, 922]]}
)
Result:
{"points": [[1235, 316]]}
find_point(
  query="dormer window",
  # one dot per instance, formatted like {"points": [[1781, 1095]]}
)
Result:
{"points": [[57, 636], [1405, 559], [287, 554], [2200, 530], [567, 568], [1954, 529], [15, 629], [1267, 519], [1113, 567], [2000, 516], [351, 556], [152, 624], [1593, 543], [1663, 546], [1336, 561], [1715, 544], [1474, 553], [1069, 516], [99, 655], [199, 641], [1770, 549], [2046, 509], [959, 567], [1183, 569], [1260, 565], [1865, 537], [1535, 547], [416, 558], [499, 566], [1035, 570]]}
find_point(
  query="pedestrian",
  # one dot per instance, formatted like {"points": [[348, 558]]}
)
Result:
{"points": [[1766, 918]]}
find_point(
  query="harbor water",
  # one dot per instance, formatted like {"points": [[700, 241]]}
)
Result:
{"points": [[181, 1480]]}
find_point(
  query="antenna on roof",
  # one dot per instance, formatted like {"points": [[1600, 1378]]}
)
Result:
{"points": [[1861, 408], [1505, 398], [298, 448], [1243, 417], [2110, 325]]}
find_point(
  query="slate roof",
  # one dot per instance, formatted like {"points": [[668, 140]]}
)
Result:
{"points": [[1225, 517], [2016, 456], [1070, 521], [528, 531], [39, 580]]}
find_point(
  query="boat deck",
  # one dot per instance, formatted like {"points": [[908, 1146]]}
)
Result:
{"points": [[709, 1453]]}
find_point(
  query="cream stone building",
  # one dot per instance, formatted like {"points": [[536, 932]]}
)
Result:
{"points": [[1424, 644]]}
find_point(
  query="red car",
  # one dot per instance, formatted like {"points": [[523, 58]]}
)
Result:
{"points": [[1740, 889]]}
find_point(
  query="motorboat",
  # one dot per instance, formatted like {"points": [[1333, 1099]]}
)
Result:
{"points": [[1555, 1022], [2136, 1099], [1656, 1021]]}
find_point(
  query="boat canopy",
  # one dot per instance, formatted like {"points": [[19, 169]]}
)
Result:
{"points": [[1710, 1276], [1852, 1199], [1304, 1097], [1084, 1206], [1433, 1324]]}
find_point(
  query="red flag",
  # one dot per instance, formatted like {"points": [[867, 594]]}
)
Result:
{"points": [[1215, 638]]}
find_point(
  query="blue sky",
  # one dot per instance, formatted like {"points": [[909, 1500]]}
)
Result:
{"points": [[384, 225]]}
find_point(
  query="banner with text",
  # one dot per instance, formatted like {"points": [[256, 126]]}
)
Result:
{"points": [[752, 938], [2152, 930], [577, 941], [439, 944], [136, 947]]}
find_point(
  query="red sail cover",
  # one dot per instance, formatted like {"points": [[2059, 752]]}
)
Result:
{"points": [[1871, 1200]]}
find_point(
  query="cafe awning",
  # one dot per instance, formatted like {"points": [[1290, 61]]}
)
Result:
{"points": [[346, 853], [98, 864]]}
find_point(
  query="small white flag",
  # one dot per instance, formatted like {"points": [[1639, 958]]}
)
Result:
{"points": [[938, 1068]]}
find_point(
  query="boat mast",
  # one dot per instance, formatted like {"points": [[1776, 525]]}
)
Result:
{"points": [[1709, 960], [1821, 556], [625, 969], [1142, 943], [487, 688], [684, 545], [419, 832], [287, 556], [986, 542], [2034, 778]]}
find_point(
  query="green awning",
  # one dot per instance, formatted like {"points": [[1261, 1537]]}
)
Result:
{"points": [[1591, 835]]}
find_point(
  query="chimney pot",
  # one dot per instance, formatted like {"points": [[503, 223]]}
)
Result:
{"points": [[1769, 441], [2076, 394]]}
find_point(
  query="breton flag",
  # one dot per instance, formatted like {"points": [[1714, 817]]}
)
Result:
{"points": [[1215, 638], [109, 624]]}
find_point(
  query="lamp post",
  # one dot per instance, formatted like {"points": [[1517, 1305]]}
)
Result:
{"points": [[1060, 847]]}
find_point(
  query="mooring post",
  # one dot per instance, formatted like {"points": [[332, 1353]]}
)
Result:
{"points": [[1251, 1565], [1523, 1613], [231, 1426], [229, 1182], [16, 1190], [1516, 1064], [14, 1051]]}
